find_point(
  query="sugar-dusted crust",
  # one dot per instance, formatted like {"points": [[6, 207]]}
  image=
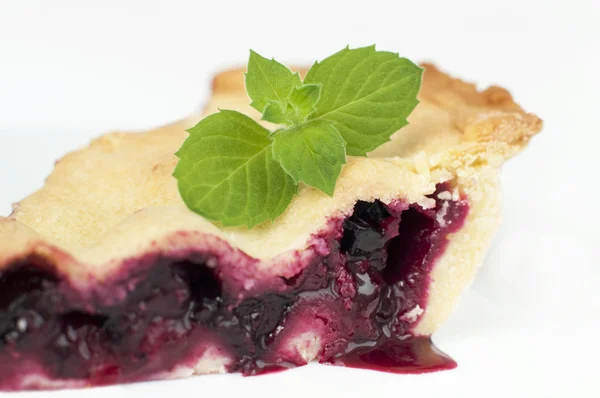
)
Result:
{"points": [[116, 198]]}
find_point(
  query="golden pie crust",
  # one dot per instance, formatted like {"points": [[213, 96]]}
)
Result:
{"points": [[116, 199]]}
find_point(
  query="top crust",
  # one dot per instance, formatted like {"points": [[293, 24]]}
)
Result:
{"points": [[116, 198]]}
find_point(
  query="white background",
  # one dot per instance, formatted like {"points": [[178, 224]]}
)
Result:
{"points": [[528, 327]]}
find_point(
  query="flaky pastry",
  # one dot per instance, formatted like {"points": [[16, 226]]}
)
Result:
{"points": [[107, 276]]}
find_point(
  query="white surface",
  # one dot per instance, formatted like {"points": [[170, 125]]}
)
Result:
{"points": [[529, 326]]}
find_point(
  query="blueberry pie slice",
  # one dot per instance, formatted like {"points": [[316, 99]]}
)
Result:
{"points": [[107, 277]]}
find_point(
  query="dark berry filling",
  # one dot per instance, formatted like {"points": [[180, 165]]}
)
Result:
{"points": [[360, 302]]}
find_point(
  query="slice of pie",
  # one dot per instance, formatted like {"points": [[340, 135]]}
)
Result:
{"points": [[107, 277]]}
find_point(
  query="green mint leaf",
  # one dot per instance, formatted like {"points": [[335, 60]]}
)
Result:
{"points": [[312, 153], [275, 112], [268, 80], [226, 171], [302, 102], [233, 170], [367, 94]]}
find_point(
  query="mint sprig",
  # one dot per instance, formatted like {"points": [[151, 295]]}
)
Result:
{"points": [[233, 170]]}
